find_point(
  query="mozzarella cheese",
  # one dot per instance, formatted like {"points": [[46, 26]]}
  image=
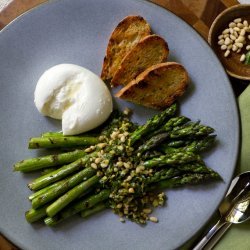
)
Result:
{"points": [[75, 95]]}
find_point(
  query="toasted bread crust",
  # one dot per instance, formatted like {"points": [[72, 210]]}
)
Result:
{"points": [[124, 37], [149, 51], [158, 86]]}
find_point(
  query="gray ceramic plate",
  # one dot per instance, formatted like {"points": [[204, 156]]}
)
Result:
{"points": [[77, 32]]}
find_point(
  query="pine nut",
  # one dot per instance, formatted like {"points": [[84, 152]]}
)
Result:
{"points": [[231, 30], [93, 165], [123, 138], [240, 25], [242, 32], [236, 29], [153, 219], [239, 45], [248, 47], [230, 46], [223, 47], [238, 51], [232, 25], [119, 164], [236, 34], [88, 150], [234, 48], [220, 37], [227, 53], [147, 210], [226, 31], [245, 23], [240, 39], [247, 29], [237, 20], [243, 57], [232, 37], [226, 35], [248, 37], [227, 41], [98, 160]]}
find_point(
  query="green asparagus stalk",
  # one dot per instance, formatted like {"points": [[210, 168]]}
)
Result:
{"points": [[47, 171], [65, 185], [195, 146], [94, 210], [177, 143], [170, 124], [38, 163], [186, 179], [191, 130], [61, 142], [152, 142], [162, 175], [44, 190], [152, 124], [200, 145], [172, 159], [195, 167], [59, 174], [78, 207], [34, 215], [167, 173], [71, 195]]}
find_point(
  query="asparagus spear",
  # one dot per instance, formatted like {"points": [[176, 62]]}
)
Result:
{"points": [[185, 179], [172, 159], [152, 142], [44, 190], [59, 174], [96, 209], [35, 214], [152, 124], [200, 145], [170, 124], [78, 207], [61, 142], [60, 189], [195, 146], [71, 195], [191, 130], [38, 163], [47, 171]]}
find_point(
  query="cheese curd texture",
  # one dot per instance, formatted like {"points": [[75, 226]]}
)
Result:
{"points": [[74, 94]]}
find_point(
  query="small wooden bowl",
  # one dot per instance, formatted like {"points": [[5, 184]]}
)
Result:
{"points": [[232, 63]]}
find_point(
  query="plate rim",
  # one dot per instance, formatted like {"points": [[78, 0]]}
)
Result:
{"points": [[237, 123]]}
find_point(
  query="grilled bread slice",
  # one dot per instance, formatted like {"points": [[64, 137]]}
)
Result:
{"points": [[124, 37], [158, 86], [149, 51]]}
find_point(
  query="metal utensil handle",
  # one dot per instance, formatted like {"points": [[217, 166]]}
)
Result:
{"points": [[214, 240], [209, 235]]}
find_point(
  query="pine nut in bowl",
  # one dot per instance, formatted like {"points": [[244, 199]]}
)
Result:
{"points": [[229, 37]]}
